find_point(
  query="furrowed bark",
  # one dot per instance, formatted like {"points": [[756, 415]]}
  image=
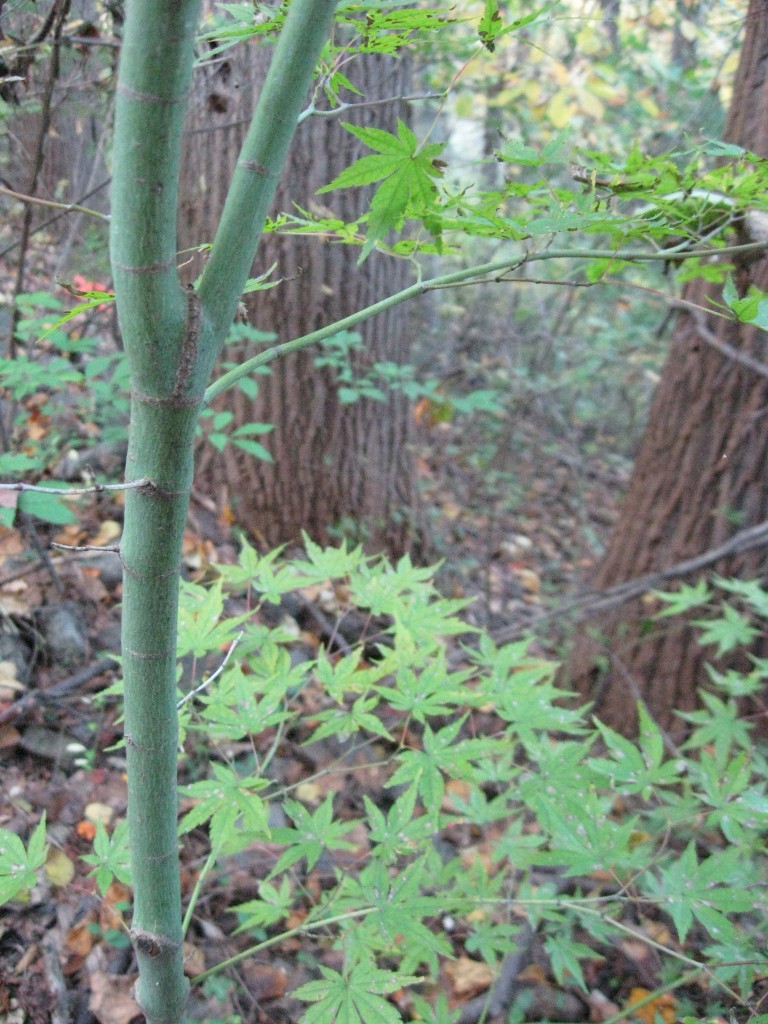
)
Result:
{"points": [[171, 340]]}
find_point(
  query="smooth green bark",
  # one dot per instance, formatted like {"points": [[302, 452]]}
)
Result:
{"points": [[172, 337]]}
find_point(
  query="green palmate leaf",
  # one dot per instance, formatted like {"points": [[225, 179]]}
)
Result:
{"points": [[396, 907], [326, 563], [274, 905], [442, 756], [201, 625], [720, 725], [751, 309], [705, 890], [110, 858], [314, 833], [399, 831], [407, 171], [231, 805], [751, 591], [565, 954], [344, 722], [727, 632], [684, 599], [92, 300], [490, 25], [353, 998], [636, 769], [19, 866]]}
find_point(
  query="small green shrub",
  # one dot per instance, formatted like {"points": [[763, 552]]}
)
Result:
{"points": [[565, 825]]}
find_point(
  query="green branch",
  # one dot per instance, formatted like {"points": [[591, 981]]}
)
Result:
{"points": [[471, 275], [281, 101]]}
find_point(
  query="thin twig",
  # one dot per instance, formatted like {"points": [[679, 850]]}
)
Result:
{"points": [[312, 111], [210, 679], [29, 530], [66, 207], [599, 600], [56, 216], [93, 489], [21, 708], [85, 547], [708, 336]]}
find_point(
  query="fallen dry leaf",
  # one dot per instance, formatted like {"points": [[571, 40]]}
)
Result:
{"points": [[9, 684], [468, 977], [194, 959], [108, 532], [86, 830], [664, 1005], [265, 982], [98, 812], [455, 788], [59, 867], [9, 736], [79, 940], [111, 1001], [600, 1007]]}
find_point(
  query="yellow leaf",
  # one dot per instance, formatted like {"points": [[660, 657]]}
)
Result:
{"points": [[558, 72], [657, 17], [468, 977], [614, 93], [97, 812], [637, 838], [470, 105], [108, 531], [591, 105], [588, 41], [309, 793], [529, 580], [59, 868], [648, 105], [9, 684], [532, 92], [664, 1005], [560, 109]]}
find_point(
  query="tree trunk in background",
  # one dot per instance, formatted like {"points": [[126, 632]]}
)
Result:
{"points": [[347, 467], [700, 474]]}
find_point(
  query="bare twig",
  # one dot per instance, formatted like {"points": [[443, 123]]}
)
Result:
{"points": [[132, 485], [66, 207], [85, 547], [312, 110], [599, 600], [21, 708], [30, 532], [723, 347], [207, 682], [56, 216]]}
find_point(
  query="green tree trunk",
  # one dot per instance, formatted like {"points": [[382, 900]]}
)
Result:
{"points": [[172, 336]]}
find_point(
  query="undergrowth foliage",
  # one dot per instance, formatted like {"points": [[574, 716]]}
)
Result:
{"points": [[501, 807]]}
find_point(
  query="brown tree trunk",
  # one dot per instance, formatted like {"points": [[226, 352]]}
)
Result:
{"points": [[700, 474], [337, 467]]}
